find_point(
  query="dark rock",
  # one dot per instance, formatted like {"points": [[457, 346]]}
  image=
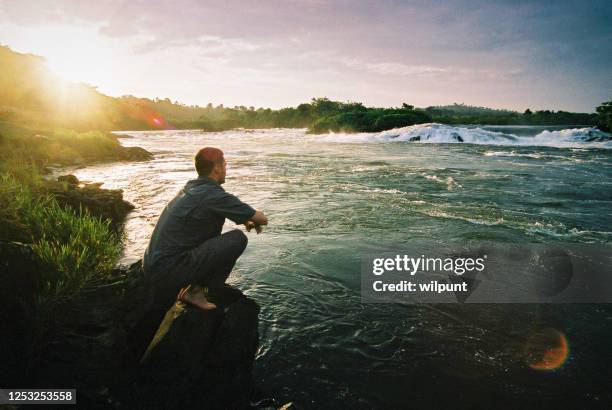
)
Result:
{"points": [[456, 137], [20, 270], [100, 202], [140, 319], [135, 154], [82, 347], [69, 179], [261, 399], [197, 359], [202, 359]]}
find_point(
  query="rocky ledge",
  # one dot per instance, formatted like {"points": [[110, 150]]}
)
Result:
{"points": [[118, 353], [193, 359], [201, 359], [100, 202]]}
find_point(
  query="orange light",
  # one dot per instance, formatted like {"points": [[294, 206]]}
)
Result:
{"points": [[546, 349]]}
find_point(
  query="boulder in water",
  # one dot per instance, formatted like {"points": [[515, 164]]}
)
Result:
{"points": [[100, 202], [202, 359], [135, 154]]}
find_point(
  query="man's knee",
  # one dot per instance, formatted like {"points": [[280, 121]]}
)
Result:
{"points": [[239, 240]]}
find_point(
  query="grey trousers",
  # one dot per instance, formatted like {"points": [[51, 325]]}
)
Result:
{"points": [[208, 264]]}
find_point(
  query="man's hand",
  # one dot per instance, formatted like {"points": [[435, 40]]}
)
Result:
{"points": [[257, 221], [250, 225], [259, 218]]}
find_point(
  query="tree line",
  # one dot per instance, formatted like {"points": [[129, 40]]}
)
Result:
{"points": [[30, 94]]}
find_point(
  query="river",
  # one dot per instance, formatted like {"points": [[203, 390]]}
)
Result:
{"points": [[329, 196]]}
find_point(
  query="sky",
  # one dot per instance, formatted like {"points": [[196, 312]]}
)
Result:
{"points": [[503, 54]]}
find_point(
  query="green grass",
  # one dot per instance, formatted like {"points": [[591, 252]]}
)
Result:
{"points": [[82, 248], [74, 290], [57, 146], [77, 251]]}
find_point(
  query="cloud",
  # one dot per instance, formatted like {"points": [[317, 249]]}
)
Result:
{"points": [[205, 45], [394, 68], [449, 46]]}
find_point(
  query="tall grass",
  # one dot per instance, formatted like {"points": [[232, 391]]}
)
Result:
{"points": [[80, 247]]}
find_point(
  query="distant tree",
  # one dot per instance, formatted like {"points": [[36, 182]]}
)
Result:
{"points": [[605, 115], [324, 106], [407, 106], [527, 112], [389, 121]]}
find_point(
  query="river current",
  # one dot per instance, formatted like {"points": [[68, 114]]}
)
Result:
{"points": [[330, 196]]}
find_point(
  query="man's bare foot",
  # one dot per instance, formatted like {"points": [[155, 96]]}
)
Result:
{"points": [[195, 296]]}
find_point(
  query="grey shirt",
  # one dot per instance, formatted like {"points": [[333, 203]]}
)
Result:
{"points": [[195, 214]]}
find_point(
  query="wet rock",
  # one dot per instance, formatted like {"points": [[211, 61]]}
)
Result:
{"points": [[202, 359], [135, 154], [100, 202], [456, 137], [69, 179], [19, 273]]}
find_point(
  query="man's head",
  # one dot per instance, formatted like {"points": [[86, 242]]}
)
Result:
{"points": [[209, 162]]}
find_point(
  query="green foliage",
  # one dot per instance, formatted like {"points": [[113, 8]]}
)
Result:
{"points": [[81, 248], [76, 253], [605, 115], [354, 117], [386, 122], [467, 114], [78, 249], [63, 147]]}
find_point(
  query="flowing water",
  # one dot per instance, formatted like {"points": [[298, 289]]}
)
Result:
{"points": [[330, 196]]}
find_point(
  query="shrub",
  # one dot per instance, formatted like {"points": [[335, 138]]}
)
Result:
{"points": [[390, 121], [80, 248]]}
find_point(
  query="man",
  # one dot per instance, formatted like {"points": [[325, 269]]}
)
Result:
{"points": [[187, 253]]}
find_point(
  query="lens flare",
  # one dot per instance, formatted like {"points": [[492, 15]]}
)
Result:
{"points": [[546, 349], [142, 113], [155, 120]]}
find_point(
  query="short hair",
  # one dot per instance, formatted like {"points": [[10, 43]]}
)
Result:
{"points": [[206, 159]]}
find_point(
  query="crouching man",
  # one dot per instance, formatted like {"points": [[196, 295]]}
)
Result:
{"points": [[187, 254]]}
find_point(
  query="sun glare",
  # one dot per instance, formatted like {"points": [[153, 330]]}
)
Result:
{"points": [[75, 54]]}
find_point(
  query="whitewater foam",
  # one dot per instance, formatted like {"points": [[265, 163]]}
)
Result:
{"points": [[434, 133], [448, 181]]}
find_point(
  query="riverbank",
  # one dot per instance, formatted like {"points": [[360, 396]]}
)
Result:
{"points": [[71, 318], [60, 242]]}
